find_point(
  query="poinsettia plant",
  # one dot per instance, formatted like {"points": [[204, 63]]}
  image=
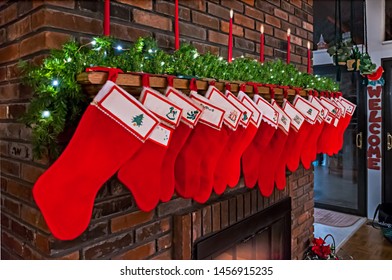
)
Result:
{"points": [[321, 250]]}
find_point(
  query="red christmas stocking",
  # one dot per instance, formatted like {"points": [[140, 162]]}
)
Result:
{"points": [[280, 171], [297, 120], [217, 147], [309, 150], [337, 138], [110, 131], [349, 109], [234, 171], [329, 132], [142, 173], [333, 138], [191, 113], [255, 116], [271, 156], [228, 167], [204, 137], [298, 141], [209, 162], [247, 131], [251, 157], [311, 114], [322, 142]]}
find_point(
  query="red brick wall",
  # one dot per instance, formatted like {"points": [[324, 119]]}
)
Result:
{"points": [[28, 29]]}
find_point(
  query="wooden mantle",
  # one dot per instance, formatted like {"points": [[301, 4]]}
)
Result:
{"points": [[93, 81]]}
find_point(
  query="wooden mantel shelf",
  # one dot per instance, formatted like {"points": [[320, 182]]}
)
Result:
{"points": [[93, 81]]}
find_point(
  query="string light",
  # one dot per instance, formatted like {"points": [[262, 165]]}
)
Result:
{"points": [[45, 114], [220, 58], [93, 43], [69, 59], [55, 83], [119, 48], [195, 55]]}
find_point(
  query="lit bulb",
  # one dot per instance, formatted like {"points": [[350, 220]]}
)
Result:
{"points": [[150, 51], [282, 71], [242, 56], [195, 55], [119, 48], [220, 58], [55, 83], [69, 59], [45, 114], [93, 43], [162, 63]]}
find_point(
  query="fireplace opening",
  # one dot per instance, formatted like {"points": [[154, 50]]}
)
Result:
{"points": [[265, 235]]}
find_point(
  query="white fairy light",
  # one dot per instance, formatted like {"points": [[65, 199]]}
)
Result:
{"points": [[220, 58], [69, 59], [45, 114], [93, 43], [150, 51], [55, 83], [162, 63], [195, 55], [119, 48]]}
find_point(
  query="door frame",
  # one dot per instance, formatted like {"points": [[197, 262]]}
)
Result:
{"points": [[386, 127], [362, 127]]}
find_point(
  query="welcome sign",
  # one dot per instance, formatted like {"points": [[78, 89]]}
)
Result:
{"points": [[374, 154]]}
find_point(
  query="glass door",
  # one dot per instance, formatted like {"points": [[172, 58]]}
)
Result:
{"points": [[387, 133], [340, 180]]}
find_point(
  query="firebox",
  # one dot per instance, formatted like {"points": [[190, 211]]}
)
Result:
{"points": [[265, 235]]}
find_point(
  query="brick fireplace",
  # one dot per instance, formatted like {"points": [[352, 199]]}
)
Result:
{"points": [[118, 230]]}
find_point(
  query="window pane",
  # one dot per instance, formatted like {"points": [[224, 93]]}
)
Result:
{"points": [[388, 20]]}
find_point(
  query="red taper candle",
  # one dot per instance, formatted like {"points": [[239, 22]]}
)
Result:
{"points": [[262, 43], [309, 57], [288, 46], [176, 28], [230, 52], [106, 19]]}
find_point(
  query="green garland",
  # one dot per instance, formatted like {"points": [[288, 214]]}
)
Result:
{"points": [[58, 101]]}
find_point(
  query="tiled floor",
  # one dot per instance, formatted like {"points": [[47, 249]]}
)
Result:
{"points": [[340, 234]]}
